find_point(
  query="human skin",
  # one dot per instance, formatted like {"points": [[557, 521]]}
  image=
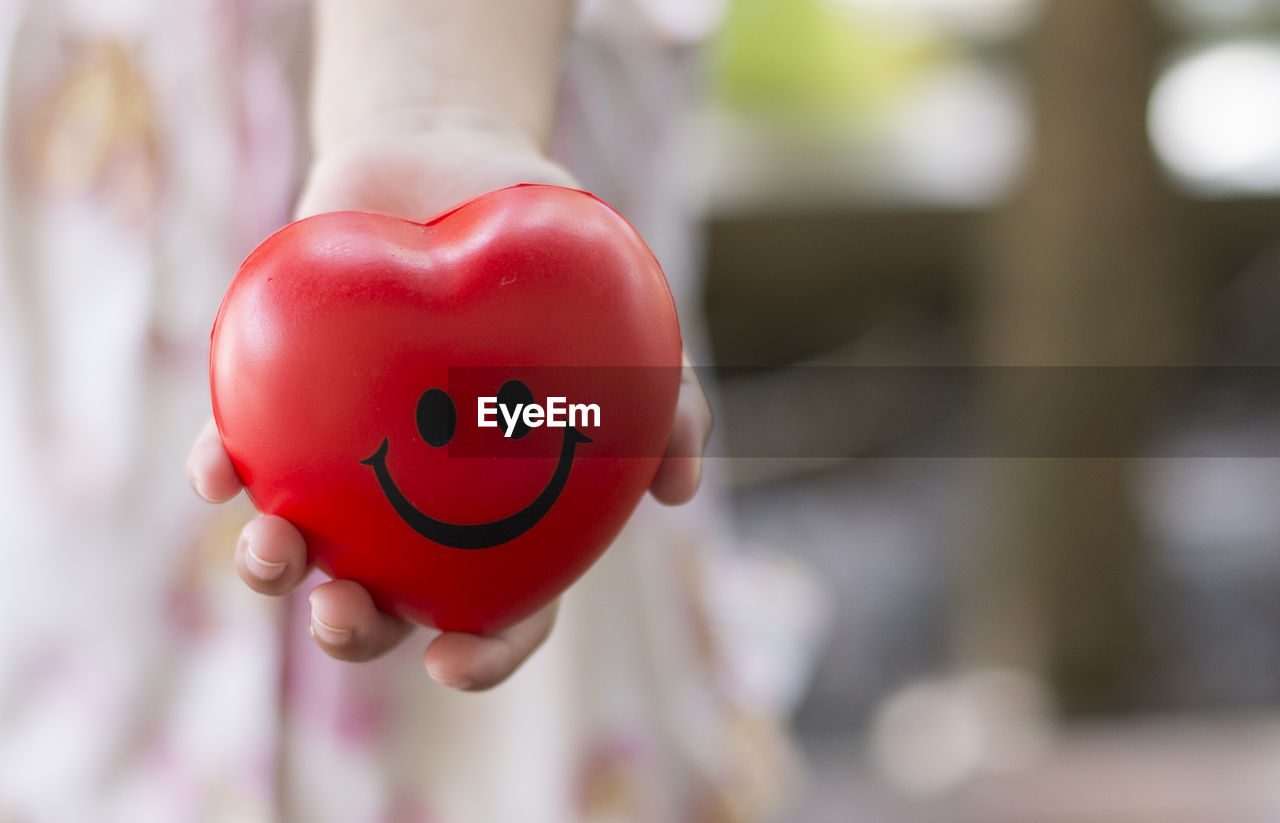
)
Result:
{"points": [[417, 106]]}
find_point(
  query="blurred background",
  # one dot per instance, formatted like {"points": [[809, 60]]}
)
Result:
{"points": [[1012, 183], [1087, 631]]}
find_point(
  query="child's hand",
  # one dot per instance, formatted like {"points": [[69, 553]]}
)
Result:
{"points": [[417, 172]]}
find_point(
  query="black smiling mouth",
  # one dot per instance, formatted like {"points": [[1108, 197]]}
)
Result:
{"points": [[478, 535]]}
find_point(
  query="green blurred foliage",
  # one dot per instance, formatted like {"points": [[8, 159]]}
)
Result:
{"points": [[817, 58]]}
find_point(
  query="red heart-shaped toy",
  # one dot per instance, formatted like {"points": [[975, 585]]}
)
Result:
{"points": [[349, 363]]}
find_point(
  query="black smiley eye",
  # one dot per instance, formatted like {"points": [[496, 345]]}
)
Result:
{"points": [[437, 418], [513, 395]]}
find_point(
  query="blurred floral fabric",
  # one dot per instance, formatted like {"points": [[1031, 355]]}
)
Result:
{"points": [[149, 144]]}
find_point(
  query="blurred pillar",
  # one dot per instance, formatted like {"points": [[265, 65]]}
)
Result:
{"points": [[1085, 266]]}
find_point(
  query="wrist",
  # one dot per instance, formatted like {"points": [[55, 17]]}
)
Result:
{"points": [[426, 122], [421, 65]]}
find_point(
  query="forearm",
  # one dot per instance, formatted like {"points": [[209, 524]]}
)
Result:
{"points": [[410, 64]]}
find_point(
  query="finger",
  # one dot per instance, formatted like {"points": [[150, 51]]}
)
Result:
{"points": [[680, 472], [209, 468], [271, 556], [473, 662], [348, 626]]}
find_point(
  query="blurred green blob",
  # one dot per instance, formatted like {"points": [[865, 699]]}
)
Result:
{"points": [[817, 57]]}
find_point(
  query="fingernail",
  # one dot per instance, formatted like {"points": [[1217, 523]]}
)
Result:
{"points": [[259, 568], [329, 634], [460, 683], [197, 483]]}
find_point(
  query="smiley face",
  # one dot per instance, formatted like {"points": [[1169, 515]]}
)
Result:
{"points": [[437, 420]]}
